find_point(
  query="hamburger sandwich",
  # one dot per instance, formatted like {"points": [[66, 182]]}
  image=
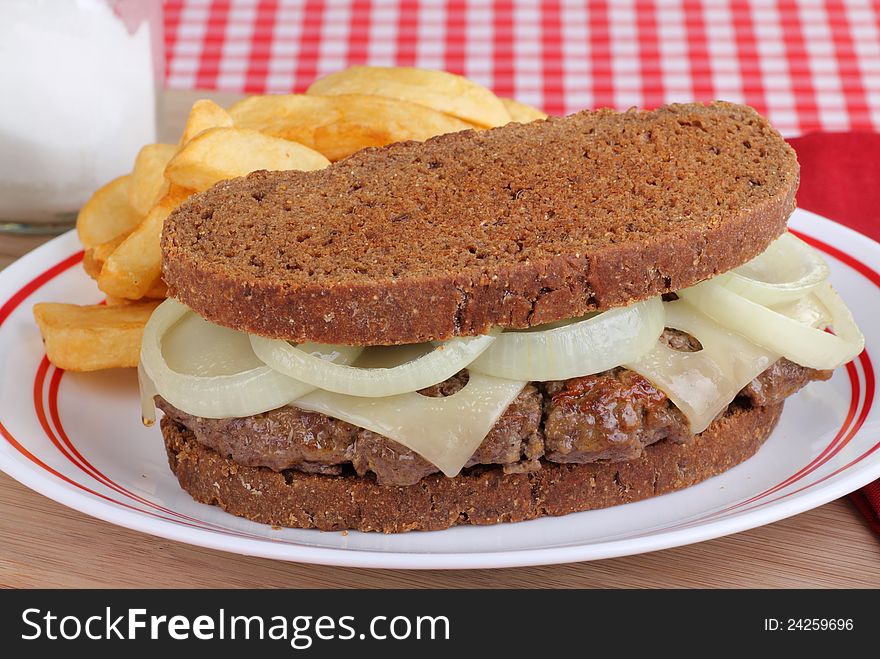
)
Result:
{"points": [[490, 326]]}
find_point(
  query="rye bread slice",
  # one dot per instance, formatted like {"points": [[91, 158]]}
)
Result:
{"points": [[515, 226], [481, 496]]}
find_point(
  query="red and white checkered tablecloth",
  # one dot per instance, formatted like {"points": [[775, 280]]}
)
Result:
{"points": [[807, 64]]}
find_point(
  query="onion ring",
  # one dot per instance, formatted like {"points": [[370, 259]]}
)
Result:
{"points": [[788, 269], [580, 347], [237, 386], [441, 363], [800, 343]]}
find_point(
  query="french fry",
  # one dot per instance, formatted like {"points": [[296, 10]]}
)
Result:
{"points": [[93, 259], [103, 251], [157, 290], [148, 176], [120, 226], [91, 338], [117, 301], [91, 265], [218, 154], [442, 91], [131, 268], [107, 214], [338, 126], [522, 113], [204, 114]]}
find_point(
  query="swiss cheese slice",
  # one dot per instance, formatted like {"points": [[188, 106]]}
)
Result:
{"points": [[445, 431]]}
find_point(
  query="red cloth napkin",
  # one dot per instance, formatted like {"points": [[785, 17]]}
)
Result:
{"points": [[840, 180]]}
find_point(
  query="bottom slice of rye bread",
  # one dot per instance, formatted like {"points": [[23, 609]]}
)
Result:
{"points": [[478, 496]]}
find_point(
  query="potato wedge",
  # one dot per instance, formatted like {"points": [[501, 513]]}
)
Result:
{"points": [[90, 338], [218, 154], [132, 268], [93, 259], [204, 114], [148, 176], [107, 214], [103, 251], [157, 290], [442, 91], [522, 113], [117, 301], [338, 126], [91, 265]]}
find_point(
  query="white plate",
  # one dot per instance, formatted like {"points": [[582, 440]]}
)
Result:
{"points": [[77, 438]]}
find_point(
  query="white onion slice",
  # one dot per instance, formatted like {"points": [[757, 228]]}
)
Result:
{"points": [[786, 270], [802, 344], [580, 347], [702, 383], [806, 310], [211, 371], [444, 431], [406, 375], [148, 391]]}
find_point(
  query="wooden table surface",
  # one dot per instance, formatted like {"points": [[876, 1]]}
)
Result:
{"points": [[44, 544]]}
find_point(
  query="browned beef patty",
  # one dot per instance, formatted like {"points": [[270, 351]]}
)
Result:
{"points": [[290, 438], [610, 416]]}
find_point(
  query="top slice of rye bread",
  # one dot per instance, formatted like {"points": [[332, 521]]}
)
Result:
{"points": [[515, 226]]}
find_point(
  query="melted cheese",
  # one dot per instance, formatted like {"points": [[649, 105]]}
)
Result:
{"points": [[445, 431], [702, 383]]}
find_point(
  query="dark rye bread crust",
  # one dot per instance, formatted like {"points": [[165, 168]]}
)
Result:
{"points": [[480, 496], [515, 226]]}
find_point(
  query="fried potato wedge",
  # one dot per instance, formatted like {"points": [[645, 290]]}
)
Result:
{"points": [[117, 301], [442, 91], [218, 154], [148, 176], [103, 251], [91, 265], [90, 338], [204, 114], [522, 113], [157, 290], [120, 226], [93, 259], [338, 126], [133, 267], [108, 213]]}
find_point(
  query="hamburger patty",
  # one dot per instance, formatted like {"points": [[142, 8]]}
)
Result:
{"points": [[609, 416], [290, 438]]}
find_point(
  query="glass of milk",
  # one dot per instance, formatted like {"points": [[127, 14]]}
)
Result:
{"points": [[79, 83]]}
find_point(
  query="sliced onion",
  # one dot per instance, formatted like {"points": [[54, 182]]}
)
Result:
{"points": [[211, 371], [806, 310], [579, 347], [802, 344], [148, 391], [788, 269], [702, 383], [401, 376], [444, 431]]}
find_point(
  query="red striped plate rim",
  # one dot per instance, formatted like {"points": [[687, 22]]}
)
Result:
{"points": [[47, 380]]}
